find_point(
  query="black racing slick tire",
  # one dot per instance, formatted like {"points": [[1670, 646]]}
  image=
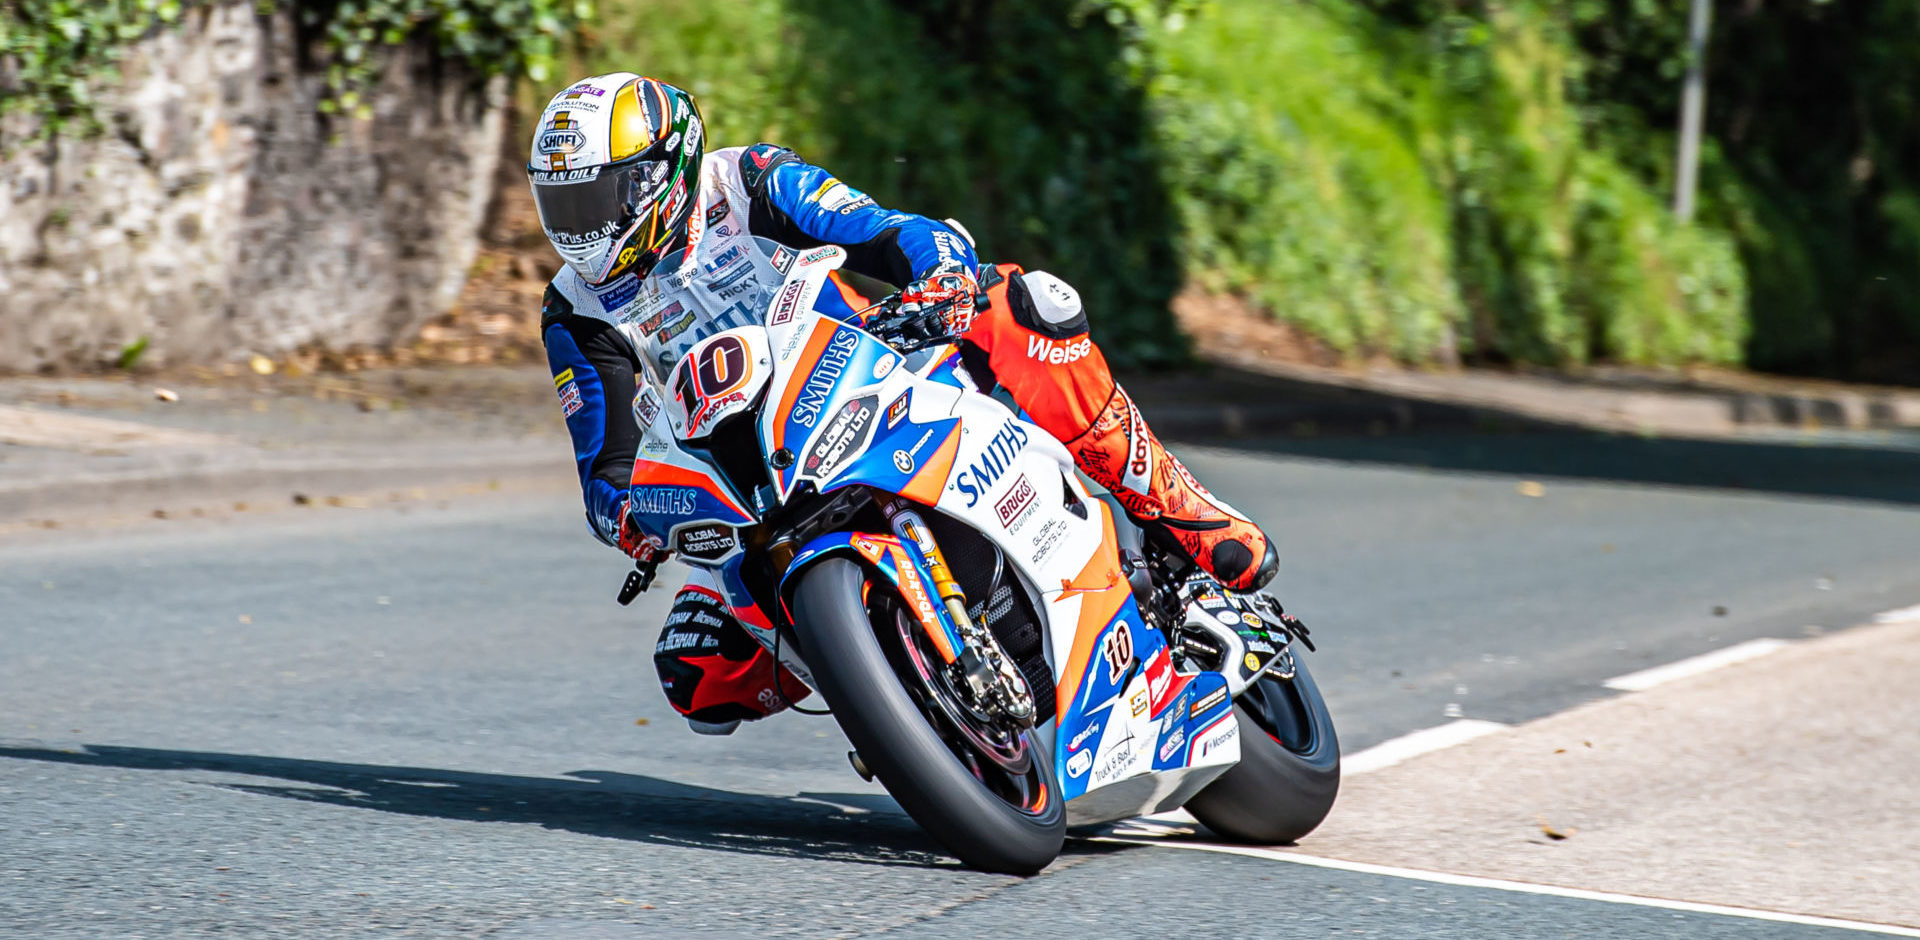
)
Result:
{"points": [[1289, 770], [896, 739]]}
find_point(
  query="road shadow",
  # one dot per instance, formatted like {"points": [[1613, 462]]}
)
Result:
{"points": [[846, 827], [1265, 415]]}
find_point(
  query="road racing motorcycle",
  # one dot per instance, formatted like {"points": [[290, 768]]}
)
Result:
{"points": [[1007, 653]]}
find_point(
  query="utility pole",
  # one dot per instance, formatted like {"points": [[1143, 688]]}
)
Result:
{"points": [[1693, 104]]}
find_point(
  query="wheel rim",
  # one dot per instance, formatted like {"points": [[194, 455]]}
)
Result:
{"points": [[1276, 706], [1001, 758]]}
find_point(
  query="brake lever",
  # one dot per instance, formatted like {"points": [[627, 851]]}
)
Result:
{"points": [[638, 580], [876, 320]]}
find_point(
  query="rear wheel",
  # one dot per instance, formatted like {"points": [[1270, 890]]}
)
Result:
{"points": [[1289, 770], [983, 791]]}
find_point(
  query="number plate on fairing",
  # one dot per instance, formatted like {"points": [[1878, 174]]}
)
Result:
{"points": [[722, 375]]}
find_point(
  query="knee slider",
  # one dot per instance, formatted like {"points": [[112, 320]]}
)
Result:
{"points": [[1046, 305]]}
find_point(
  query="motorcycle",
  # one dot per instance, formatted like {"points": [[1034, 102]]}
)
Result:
{"points": [[1006, 652]]}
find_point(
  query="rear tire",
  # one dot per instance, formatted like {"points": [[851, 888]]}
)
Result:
{"points": [[1289, 770], [897, 742]]}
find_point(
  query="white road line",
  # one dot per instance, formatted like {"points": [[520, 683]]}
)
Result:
{"points": [[1521, 887], [1408, 746], [1705, 662], [1903, 615]]}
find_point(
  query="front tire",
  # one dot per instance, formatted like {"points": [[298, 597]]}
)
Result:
{"points": [[1289, 770], [898, 742]]}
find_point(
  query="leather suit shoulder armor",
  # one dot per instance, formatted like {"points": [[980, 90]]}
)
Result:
{"points": [[759, 160], [553, 306]]}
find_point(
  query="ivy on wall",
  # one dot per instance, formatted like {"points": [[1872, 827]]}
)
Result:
{"points": [[55, 54]]}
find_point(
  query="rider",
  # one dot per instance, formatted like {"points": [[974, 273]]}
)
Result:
{"points": [[622, 179]]}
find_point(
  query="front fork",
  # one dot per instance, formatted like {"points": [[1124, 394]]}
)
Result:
{"points": [[989, 673]]}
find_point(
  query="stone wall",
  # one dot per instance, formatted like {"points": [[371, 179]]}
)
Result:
{"points": [[220, 215]]}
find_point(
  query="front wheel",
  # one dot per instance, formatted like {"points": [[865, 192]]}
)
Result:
{"points": [[1289, 770], [989, 798]]}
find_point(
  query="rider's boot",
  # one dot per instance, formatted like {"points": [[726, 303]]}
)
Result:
{"points": [[713, 671], [1121, 454], [1034, 334]]}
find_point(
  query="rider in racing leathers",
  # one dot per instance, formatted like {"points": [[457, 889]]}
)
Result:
{"points": [[621, 177]]}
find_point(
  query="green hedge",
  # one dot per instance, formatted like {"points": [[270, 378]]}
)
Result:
{"points": [[1410, 191], [1025, 119]]}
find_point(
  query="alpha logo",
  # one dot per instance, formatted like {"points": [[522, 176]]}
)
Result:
{"points": [[1020, 498], [784, 307], [664, 500], [1207, 702], [782, 260], [717, 212], [980, 476], [826, 373], [1081, 738], [707, 542], [1118, 652], [1078, 764], [1040, 349]]}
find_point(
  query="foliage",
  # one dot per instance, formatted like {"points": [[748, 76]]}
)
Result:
{"points": [[1409, 191], [1812, 161], [1025, 119], [55, 53]]}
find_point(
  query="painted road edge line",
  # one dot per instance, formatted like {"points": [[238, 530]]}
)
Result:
{"points": [[1408, 746], [1705, 662], [1521, 887], [1903, 615]]}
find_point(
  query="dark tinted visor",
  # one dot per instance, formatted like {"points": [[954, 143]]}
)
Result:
{"points": [[585, 205]]}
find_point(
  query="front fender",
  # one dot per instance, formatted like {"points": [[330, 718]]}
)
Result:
{"points": [[897, 562]]}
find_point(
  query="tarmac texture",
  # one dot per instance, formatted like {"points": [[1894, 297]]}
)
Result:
{"points": [[425, 716]]}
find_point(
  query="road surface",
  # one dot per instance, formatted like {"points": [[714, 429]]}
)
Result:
{"points": [[428, 717]]}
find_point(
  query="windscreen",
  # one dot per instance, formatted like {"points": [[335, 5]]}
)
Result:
{"points": [[715, 286]]}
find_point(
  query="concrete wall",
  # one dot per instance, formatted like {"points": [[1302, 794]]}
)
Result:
{"points": [[221, 215]]}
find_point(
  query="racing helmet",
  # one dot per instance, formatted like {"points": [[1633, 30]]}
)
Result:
{"points": [[615, 172]]}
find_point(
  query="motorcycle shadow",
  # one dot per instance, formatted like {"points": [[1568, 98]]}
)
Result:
{"points": [[848, 827]]}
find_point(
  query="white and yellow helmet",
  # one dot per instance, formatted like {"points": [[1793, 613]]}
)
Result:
{"points": [[616, 172]]}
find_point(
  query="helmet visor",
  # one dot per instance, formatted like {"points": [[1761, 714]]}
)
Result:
{"points": [[586, 212]]}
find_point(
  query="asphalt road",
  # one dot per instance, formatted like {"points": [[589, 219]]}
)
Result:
{"points": [[432, 719]]}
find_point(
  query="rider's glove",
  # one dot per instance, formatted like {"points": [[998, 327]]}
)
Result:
{"points": [[639, 545], [940, 304]]}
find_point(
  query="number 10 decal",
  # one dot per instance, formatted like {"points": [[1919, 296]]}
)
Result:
{"points": [[712, 381]]}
